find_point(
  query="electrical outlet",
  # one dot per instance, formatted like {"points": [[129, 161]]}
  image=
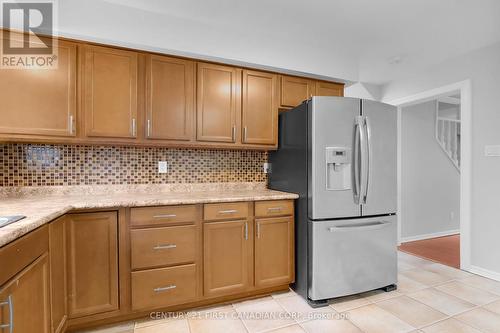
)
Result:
{"points": [[452, 216], [162, 167], [267, 167]]}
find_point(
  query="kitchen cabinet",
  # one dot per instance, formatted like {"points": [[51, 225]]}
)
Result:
{"points": [[274, 257], [110, 92], [24, 300], [295, 90], [58, 285], [92, 248], [218, 103], [328, 89], [260, 108], [170, 97], [40, 103]]}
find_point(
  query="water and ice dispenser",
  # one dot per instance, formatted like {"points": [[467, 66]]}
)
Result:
{"points": [[338, 168]]}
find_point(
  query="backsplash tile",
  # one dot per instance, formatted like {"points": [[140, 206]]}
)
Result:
{"points": [[56, 165]]}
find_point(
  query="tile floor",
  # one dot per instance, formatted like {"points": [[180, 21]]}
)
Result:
{"points": [[431, 298]]}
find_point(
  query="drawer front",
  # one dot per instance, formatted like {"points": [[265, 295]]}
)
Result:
{"points": [[162, 287], [274, 208], [163, 246], [162, 215], [226, 211]]}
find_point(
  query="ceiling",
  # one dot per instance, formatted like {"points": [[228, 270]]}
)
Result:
{"points": [[355, 40]]}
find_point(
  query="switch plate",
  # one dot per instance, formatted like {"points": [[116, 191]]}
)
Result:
{"points": [[267, 167], [490, 151], [162, 167]]}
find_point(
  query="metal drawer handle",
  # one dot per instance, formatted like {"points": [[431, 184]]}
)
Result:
{"points": [[164, 247], [10, 304], [364, 226], [275, 209], [229, 211], [160, 289], [164, 216]]}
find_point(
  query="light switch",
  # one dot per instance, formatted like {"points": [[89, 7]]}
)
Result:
{"points": [[162, 167], [267, 167], [491, 151]]}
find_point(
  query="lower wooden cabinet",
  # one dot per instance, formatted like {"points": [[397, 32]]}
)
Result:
{"points": [[24, 300], [274, 251], [92, 263], [227, 257], [58, 285]]}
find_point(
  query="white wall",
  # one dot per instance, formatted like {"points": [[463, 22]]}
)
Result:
{"points": [[430, 183], [363, 90], [483, 68]]}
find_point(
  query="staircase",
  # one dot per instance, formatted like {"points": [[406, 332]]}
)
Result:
{"points": [[448, 137]]}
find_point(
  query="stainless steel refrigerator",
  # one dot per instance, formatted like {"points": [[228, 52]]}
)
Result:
{"points": [[339, 155]]}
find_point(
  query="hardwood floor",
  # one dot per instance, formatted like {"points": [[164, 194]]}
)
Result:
{"points": [[445, 250]]}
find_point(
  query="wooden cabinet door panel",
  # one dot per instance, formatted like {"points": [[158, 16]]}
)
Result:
{"points": [[329, 89], [40, 101], [170, 98], [274, 257], [260, 108], [227, 257], [294, 90], [92, 263], [58, 285], [218, 102], [29, 296], [110, 92]]}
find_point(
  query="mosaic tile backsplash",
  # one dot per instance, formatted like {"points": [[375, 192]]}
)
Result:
{"points": [[56, 165]]}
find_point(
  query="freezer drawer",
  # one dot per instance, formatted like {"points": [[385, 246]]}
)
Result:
{"points": [[351, 256]]}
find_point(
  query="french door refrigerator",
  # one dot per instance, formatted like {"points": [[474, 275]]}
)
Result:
{"points": [[339, 155]]}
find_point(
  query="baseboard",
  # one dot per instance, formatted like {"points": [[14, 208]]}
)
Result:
{"points": [[428, 236], [483, 272]]}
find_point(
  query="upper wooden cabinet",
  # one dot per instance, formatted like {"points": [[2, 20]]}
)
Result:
{"points": [[110, 92], [295, 90], [329, 89], [170, 95], [218, 103], [92, 247], [260, 108], [40, 102]]}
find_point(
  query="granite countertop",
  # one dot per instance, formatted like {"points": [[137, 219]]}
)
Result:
{"points": [[41, 205]]}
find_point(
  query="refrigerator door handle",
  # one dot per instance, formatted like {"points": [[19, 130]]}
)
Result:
{"points": [[356, 157], [368, 156], [363, 156], [361, 226]]}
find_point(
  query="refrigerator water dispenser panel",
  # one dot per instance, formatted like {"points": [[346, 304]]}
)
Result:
{"points": [[338, 168]]}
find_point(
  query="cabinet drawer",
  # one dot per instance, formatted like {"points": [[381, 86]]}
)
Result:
{"points": [[162, 215], [163, 246], [224, 211], [274, 208], [161, 287]]}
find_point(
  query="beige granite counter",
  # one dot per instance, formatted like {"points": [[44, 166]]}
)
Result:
{"points": [[41, 205]]}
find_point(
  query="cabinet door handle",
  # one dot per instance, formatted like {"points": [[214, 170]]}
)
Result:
{"points": [[258, 230], [229, 211], [165, 247], [246, 230], [9, 302], [160, 289], [71, 120], [233, 135], [275, 209], [134, 127], [245, 130], [164, 216], [148, 129]]}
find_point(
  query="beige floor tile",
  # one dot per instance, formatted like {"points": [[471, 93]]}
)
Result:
{"points": [[172, 326], [215, 322], [483, 283], [413, 260], [441, 301], [451, 272], [493, 307], [252, 301], [407, 285], [373, 319], [404, 266], [468, 293], [288, 329], [449, 326], [299, 309], [409, 310], [209, 309], [127, 327], [149, 322], [425, 277], [283, 294], [380, 295], [256, 315], [481, 319], [330, 326], [342, 304]]}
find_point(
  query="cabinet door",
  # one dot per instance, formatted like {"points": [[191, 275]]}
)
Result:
{"points": [[169, 98], [40, 102], [24, 301], [329, 89], [227, 257], [274, 251], [260, 108], [110, 92], [218, 103], [58, 286], [294, 90], [92, 263]]}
